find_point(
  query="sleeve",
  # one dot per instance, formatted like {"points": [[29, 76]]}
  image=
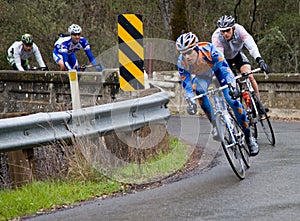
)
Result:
{"points": [[38, 56], [17, 57], [88, 52], [185, 78], [216, 41], [249, 42], [62, 49], [220, 65]]}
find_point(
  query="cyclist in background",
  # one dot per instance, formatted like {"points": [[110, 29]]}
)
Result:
{"points": [[230, 38], [66, 46], [197, 63], [19, 52]]}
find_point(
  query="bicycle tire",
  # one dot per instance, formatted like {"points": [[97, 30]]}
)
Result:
{"points": [[252, 117], [265, 122], [230, 147], [241, 140]]}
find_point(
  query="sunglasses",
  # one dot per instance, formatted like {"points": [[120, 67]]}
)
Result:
{"points": [[75, 34], [187, 53], [226, 30], [28, 45]]}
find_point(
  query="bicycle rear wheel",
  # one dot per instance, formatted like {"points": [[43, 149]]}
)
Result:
{"points": [[265, 122], [252, 116], [230, 146]]}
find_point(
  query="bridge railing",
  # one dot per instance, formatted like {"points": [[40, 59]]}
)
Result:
{"points": [[42, 128]]}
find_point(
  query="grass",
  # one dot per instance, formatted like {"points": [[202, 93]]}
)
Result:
{"points": [[39, 197]]}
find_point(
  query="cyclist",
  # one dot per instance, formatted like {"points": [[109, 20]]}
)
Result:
{"points": [[19, 52], [66, 46], [197, 63], [230, 38]]}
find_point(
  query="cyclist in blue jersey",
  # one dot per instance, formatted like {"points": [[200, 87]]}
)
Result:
{"points": [[197, 63], [65, 48]]}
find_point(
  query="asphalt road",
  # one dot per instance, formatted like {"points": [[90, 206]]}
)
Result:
{"points": [[270, 190]]}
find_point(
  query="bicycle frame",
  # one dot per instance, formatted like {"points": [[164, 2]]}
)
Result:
{"points": [[232, 138]]}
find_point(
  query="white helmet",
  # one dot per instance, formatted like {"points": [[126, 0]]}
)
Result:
{"points": [[186, 42], [74, 29]]}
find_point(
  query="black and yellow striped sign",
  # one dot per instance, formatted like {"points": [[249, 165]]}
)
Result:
{"points": [[131, 52]]}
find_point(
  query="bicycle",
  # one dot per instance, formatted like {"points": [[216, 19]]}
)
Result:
{"points": [[255, 109], [38, 68], [230, 133]]}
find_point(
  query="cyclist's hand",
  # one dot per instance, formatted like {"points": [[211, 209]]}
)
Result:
{"points": [[234, 93], [45, 68], [82, 67], [263, 66], [99, 68], [191, 107]]}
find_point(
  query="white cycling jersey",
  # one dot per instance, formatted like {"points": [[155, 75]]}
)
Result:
{"points": [[240, 39], [16, 53]]}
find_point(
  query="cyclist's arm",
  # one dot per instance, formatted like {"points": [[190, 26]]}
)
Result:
{"points": [[17, 56], [215, 40], [220, 66], [38, 56], [249, 42], [185, 78]]}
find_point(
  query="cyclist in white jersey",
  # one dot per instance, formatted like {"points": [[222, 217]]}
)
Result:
{"points": [[19, 52], [230, 38], [65, 48]]}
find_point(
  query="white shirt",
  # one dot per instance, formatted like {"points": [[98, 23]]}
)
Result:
{"points": [[16, 53], [240, 39]]}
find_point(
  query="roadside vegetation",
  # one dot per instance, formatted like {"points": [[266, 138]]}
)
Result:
{"points": [[42, 197], [274, 25]]}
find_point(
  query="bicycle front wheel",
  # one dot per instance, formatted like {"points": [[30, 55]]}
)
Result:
{"points": [[230, 146]]}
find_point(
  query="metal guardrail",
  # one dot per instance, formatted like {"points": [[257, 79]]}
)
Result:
{"points": [[44, 128]]}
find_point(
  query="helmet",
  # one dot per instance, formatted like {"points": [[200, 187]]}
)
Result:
{"points": [[186, 42], [74, 29], [225, 22], [27, 39]]}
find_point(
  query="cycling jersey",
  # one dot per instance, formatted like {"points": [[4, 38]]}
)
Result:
{"points": [[65, 49], [18, 56], [197, 77], [240, 39]]}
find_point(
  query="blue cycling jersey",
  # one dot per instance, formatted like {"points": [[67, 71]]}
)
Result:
{"points": [[197, 77], [65, 48]]}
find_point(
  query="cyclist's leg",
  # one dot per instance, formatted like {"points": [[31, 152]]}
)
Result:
{"points": [[25, 64], [73, 61], [58, 58], [238, 110], [200, 86], [243, 65]]}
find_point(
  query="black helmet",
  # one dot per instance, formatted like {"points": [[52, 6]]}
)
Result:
{"points": [[27, 39], [225, 22]]}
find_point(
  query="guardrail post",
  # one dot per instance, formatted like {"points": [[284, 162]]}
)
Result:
{"points": [[74, 89], [21, 166]]}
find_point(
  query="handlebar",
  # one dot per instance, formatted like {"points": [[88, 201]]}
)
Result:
{"points": [[212, 91], [38, 68], [251, 72]]}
